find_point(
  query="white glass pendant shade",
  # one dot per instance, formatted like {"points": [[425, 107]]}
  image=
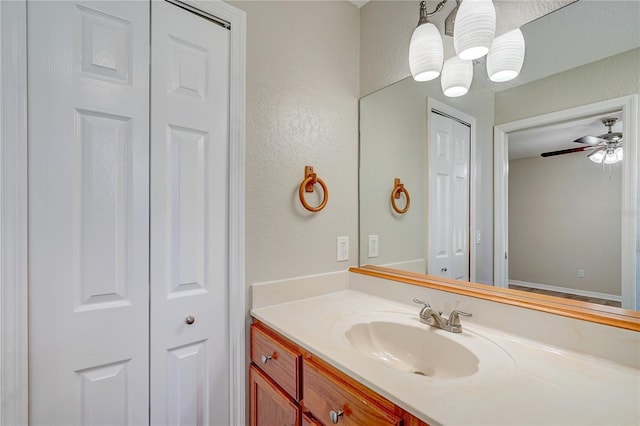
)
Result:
{"points": [[597, 156], [618, 152], [426, 52], [456, 77], [610, 157], [475, 28], [505, 58]]}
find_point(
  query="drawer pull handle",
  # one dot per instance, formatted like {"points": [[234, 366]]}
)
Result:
{"points": [[265, 358], [335, 416]]}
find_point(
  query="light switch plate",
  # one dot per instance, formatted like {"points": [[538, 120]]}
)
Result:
{"points": [[373, 246], [342, 249]]}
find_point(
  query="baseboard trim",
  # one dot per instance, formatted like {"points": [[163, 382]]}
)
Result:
{"points": [[567, 290]]}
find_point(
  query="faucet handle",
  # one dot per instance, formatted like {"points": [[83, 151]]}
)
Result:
{"points": [[421, 302], [454, 318]]}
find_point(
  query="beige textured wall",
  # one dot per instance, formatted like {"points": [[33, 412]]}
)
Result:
{"points": [[302, 109], [562, 217]]}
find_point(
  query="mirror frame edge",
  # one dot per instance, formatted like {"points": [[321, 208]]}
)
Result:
{"points": [[591, 312]]}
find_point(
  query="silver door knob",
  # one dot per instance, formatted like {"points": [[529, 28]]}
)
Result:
{"points": [[335, 416], [190, 319]]}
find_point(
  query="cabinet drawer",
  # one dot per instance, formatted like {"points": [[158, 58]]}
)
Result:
{"points": [[324, 392], [276, 359]]}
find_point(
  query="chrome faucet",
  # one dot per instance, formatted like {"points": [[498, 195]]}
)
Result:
{"points": [[435, 319]]}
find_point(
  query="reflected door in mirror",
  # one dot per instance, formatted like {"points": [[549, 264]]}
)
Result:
{"points": [[448, 211]]}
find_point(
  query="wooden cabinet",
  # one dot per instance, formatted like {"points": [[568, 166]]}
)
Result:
{"points": [[291, 387], [269, 406]]}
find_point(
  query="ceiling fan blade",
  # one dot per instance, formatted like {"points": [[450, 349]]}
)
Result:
{"points": [[590, 140], [565, 151]]}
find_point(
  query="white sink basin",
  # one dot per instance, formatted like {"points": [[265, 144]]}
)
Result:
{"points": [[402, 342]]}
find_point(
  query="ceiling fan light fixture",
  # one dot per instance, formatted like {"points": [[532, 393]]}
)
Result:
{"points": [[475, 28], [619, 154], [597, 156], [457, 75], [611, 157], [506, 56]]}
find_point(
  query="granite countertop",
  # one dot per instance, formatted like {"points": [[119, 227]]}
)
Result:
{"points": [[541, 385]]}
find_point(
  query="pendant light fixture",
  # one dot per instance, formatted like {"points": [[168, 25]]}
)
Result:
{"points": [[505, 58], [475, 28], [456, 77], [425, 50], [472, 23]]}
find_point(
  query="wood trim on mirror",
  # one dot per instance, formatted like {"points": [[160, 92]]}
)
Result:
{"points": [[592, 312]]}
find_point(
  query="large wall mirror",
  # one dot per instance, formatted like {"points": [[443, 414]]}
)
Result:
{"points": [[562, 224]]}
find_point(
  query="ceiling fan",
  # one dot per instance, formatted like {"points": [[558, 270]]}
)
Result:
{"points": [[606, 148]]}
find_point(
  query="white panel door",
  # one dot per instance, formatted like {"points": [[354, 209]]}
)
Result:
{"points": [[440, 183], [460, 201], [189, 232], [448, 193], [88, 212]]}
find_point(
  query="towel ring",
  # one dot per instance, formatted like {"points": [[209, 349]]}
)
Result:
{"points": [[310, 179], [398, 188]]}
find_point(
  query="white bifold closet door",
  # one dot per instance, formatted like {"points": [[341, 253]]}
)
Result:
{"points": [[448, 212], [189, 181], [127, 232], [88, 103]]}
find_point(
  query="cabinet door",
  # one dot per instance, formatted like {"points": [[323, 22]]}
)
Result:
{"points": [[269, 405]]}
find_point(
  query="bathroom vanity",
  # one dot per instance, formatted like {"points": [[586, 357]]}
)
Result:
{"points": [[282, 372], [360, 356]]}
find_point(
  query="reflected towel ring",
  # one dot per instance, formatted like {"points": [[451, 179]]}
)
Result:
{"points": [[398, 188], [310, 179]]}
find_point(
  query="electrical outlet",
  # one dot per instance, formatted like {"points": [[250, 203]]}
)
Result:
{"points": [[478, 237], [580, 273], [342, 249], [373, 246]]}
